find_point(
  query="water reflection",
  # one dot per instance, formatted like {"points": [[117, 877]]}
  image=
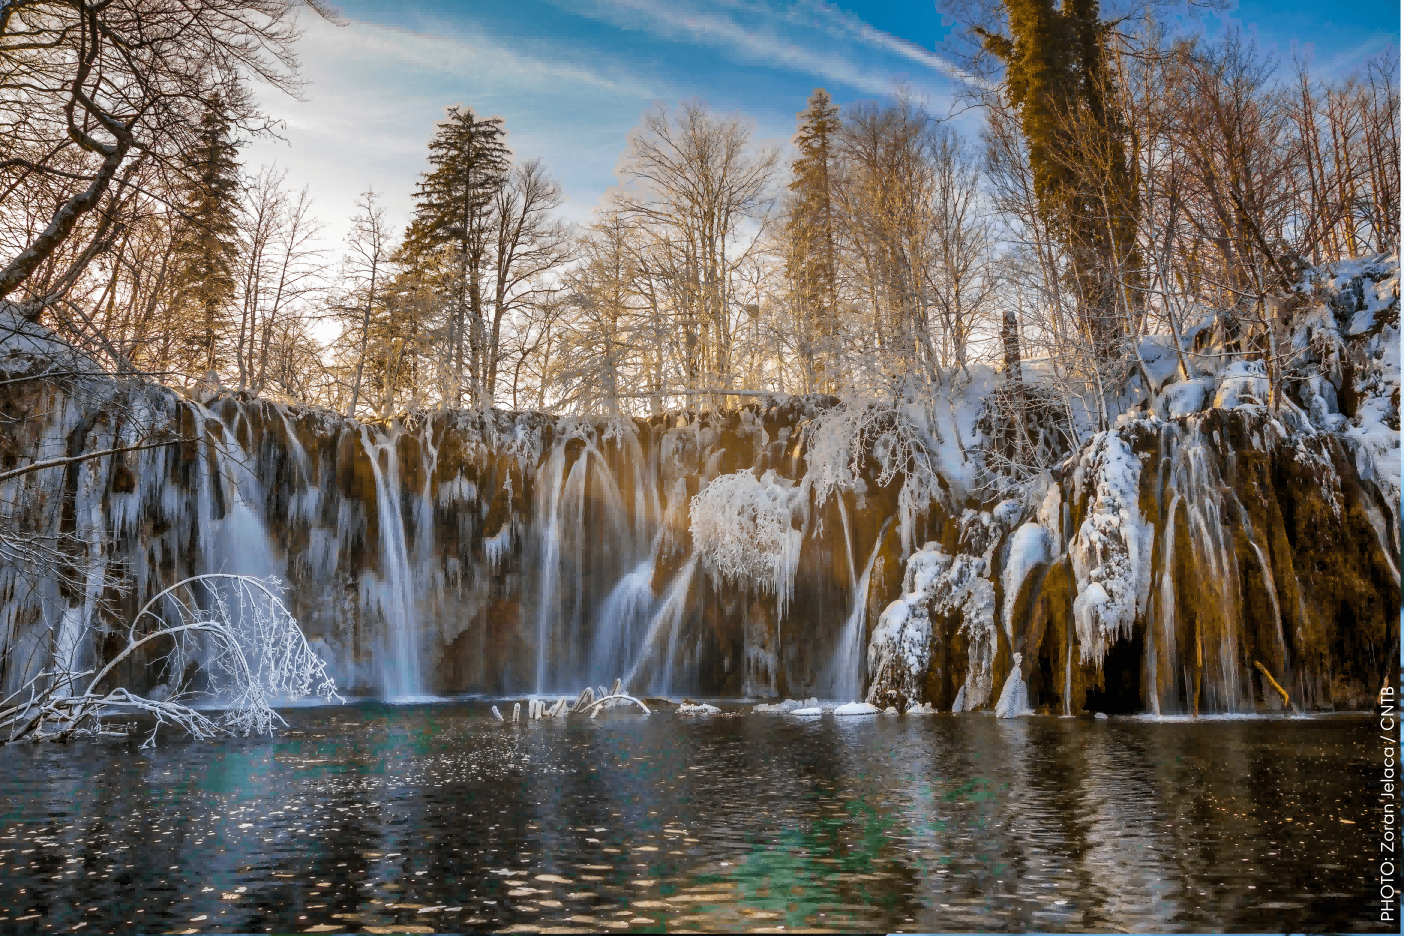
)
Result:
{"points": [[371, 818]]}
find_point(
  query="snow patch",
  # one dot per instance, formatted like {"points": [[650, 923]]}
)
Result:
{"points": [[857, 708]]}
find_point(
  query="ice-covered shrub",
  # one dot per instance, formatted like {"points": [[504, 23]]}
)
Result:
{"points": [[743, 531], [222, 642], [899, 437]]}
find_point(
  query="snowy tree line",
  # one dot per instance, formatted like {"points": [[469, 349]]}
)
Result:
{"points": [[1124, 181]]}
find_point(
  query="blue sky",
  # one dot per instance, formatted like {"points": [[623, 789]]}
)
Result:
{"points": [[572, 78]]}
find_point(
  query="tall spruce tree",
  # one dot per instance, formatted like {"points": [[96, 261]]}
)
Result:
{"points": [[451, 231], [1057, 77], [206, 246], [812, 261]]}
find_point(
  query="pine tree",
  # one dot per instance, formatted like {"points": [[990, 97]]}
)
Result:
{"points": [[1059, 80], [812, 262], [206, 246], [452, 225]]}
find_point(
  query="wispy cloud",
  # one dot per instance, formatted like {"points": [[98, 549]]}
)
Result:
{"points": [[800, 38], [851, 26], [460, 50]]}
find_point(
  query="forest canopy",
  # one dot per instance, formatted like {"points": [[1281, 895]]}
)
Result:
{"points": [[1126, 181]]}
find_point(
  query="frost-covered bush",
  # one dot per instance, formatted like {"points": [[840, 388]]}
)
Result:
{"points": [[839, 440], [902, 438], [1024, 429], [1111, 552], [222, 642], [743, 531]]}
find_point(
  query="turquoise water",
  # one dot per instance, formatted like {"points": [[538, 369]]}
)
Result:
{"points": [[434, 817]]}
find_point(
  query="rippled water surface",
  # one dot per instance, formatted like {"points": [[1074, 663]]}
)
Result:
{"points": [[434, 817]]}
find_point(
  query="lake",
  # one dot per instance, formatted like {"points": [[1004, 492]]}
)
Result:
{"points": [[368, 817]]}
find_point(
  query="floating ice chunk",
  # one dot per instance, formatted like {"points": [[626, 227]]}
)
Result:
{"points": [[808, 710], [789, 705], [698, 708], [857, 708]]}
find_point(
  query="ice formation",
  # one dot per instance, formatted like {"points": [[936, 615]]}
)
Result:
{"points": [[1111, 551]]}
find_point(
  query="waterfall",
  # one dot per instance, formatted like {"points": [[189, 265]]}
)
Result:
{"points": [[392, 591], [1272, 596], [623, 618], [848, 666], [669, 617], [233, 537], [1196, 484], [1167, 606], [548, 501], [577, 541], [499, 552]]}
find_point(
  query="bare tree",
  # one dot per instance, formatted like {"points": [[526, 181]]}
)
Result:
{"points": [[530, 246], [90, 88], [278, 268], [364, 272], [961, 276], [700, 193]]}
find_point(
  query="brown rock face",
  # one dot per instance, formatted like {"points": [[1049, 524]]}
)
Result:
{"points": [[553, 553]]}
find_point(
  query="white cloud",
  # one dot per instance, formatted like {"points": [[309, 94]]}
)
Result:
{"points": [[461, 51], [814, 38], [839, 21]]}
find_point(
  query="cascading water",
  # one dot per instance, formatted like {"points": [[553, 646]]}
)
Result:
{"points": [[548, 500], [656, 656], [392, 590], [586, 536], [848, 665], [623, 622], [1198, 492]]}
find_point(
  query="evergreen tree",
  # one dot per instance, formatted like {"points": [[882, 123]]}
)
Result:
{"points": [[812, 261], [451, 230], [206, 245], [1058, 79]]}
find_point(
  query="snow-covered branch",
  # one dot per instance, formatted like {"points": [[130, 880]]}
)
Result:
{"points": [[225, 643]]}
